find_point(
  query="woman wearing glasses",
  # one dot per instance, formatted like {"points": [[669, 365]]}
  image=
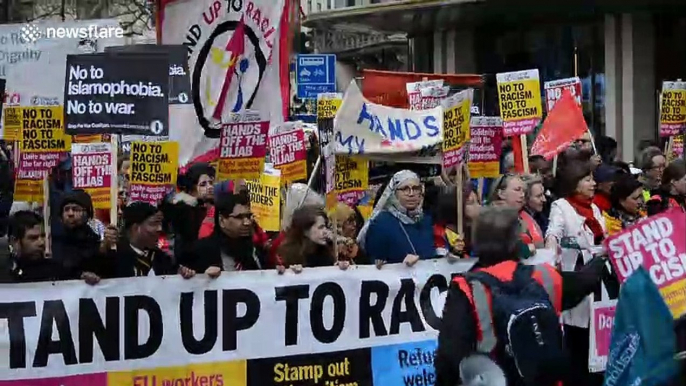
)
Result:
{"points": [[398, 230]]}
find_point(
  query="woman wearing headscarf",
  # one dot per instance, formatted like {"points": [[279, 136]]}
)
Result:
{"points": [[626, 198], [298, 195], [398, 230]]}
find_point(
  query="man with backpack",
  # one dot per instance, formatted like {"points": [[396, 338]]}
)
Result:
{"points": [[510, 311]]}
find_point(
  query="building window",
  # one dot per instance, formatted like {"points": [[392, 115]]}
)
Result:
{"points": [[319, 7], [309, 6], [350, 3], [328, 4]]}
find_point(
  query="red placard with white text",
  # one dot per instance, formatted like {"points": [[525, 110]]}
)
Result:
{"points": [[553, 91], [288, 154]]}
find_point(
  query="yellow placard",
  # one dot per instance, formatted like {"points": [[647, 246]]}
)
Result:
{"points": [[484, 169], [239, 168], [11, 123], [154, 163], [42, 130], [675, 297], [206, 374], [456, 132], [328, 105], [352, 178], [265, 200], [673, 109], [28, 190], [519, 96], [293, 171]]}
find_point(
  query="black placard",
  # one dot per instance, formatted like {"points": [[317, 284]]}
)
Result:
{"points": [[117, 93], [179, 76]]}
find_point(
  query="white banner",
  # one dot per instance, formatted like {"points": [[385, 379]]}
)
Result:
{"points": [[240, 38], [387, 133], [122, 330], [34, 70]]}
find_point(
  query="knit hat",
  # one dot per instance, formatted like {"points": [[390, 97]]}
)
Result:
{"points": [[137, 213], [80, 198]]}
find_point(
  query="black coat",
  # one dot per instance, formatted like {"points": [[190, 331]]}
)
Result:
{"points": [[123, 262], [207, 252], [77, 250]]}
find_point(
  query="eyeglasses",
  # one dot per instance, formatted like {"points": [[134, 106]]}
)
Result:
{"points": [[242, 216], [411, 189]]}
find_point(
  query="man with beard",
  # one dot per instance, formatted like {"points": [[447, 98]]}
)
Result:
{"points": [[186, 211], [27, 261], [231, 246], [77, 247]]}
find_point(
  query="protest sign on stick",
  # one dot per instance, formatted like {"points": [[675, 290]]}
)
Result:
{"points": [[554, 90], [456, 120], [124, 93], [154, 168], [485, 147], [92, 172], [243, 147], [287, 152], [659, 245], [42, 144], [265, 199], [672, 108]]}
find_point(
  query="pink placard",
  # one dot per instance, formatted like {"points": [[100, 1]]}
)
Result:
{"points": [[603, 319], [35, 166], [92, 170], [287, 147], [99, 379], [658, 244], [554, 89], [244, 140], [152, 194]]}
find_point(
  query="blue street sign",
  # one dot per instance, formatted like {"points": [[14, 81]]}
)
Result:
{"points": [[315, 74]]}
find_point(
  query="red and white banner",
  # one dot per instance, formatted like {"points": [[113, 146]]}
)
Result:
{"points": [[553, 91], [236, 48]]}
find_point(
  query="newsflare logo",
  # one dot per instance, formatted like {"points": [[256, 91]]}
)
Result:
{"points": [[31, 33]]}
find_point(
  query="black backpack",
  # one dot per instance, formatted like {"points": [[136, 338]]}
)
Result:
{"points": [[529, 337]]}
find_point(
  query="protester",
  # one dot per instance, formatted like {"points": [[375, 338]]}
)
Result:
{"points": [[495, 239], [298, 195], [652, 162], [626, 198], [672, 191], [186, 211], [577, 225], [447, 239], [533, 217], [607, 149], [604, 176], [348, 227], [398, 230], [28, 262], [137, 253], [231, 246], [78, 247], [308, 242]]}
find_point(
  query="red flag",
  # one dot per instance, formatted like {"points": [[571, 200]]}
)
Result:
{"points": [[564, 124], [236, 46]]}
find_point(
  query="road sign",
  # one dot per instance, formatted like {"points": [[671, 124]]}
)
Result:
{"points": [[315, 74]]}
